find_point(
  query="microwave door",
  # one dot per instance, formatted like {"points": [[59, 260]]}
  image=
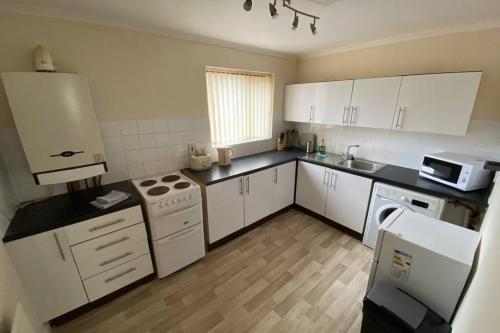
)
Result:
{"points": [[440, 169]]}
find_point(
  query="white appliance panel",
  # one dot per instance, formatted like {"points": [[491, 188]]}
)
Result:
{"points": [[54, 115], [428, 258], [179, 250]]}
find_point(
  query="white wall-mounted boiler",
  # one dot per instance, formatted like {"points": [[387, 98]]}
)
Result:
{"points": [[55, 119]]}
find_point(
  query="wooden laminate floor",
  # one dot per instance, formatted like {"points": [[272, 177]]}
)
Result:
{"points": [[291, 274]]}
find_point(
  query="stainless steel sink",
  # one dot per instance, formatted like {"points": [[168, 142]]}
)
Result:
{"points": [[361, 165]]}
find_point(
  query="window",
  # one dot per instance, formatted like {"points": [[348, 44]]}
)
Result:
{"points": [[240, 106]]}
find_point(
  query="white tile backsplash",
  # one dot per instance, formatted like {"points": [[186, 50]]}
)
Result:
{"points": [[407, 148], [133, 157], [147, 140], [129, 127], [134, 148], [145, 126], [131, 142], [149, 155], [113, 144]]}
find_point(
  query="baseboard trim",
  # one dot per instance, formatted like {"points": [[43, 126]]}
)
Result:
{"points": [[331, 223]]}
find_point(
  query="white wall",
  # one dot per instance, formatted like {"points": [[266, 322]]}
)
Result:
{"points": [[478, 311], [406, 149]]}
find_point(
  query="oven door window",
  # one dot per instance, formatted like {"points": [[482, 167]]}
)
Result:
{"points": [[447, 171]]}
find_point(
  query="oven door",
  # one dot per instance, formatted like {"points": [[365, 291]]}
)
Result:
{"points": [[169, 223], [179, 250], [445, 171]]}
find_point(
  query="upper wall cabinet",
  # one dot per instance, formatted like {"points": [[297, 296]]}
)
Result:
{"points": [[437, 103], [299, 102], [433, 103], [374, 101], [331, 105], [320, 103]]}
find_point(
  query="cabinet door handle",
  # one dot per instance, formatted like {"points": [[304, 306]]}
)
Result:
{"points": [[276, 176], [333, 182], [311, 113], [130, 270], [248, 184], [98, 227], [61, 252], [107, 262], [353, 114], [100, 247], [241, 186], [326, 178], [399, 121], [344, 118]]}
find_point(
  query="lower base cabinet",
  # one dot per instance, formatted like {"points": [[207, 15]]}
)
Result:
{"points": [[48, 273], [340, 196], [66, 268], [239, 202]]}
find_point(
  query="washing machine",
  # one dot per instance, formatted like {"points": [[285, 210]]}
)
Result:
{"points": [[387, 198]]}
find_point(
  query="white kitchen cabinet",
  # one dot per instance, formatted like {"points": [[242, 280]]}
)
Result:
{"points": [[258, 195], [374, 102], [299, 101], [225, 204], [331, 102], [437, 103], [236, 203], [48, 272], [312, 186], [283, 186], [348, 199]]}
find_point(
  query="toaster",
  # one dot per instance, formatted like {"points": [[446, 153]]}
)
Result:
{"points": [[200, 162]]}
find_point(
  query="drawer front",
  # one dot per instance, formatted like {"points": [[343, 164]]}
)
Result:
{"points": [[179, 250], [118, 277], [82, 231], [100, 254], [168, 224]]}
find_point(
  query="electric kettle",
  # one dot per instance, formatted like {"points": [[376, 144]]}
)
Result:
{"points": [[225, 154]]}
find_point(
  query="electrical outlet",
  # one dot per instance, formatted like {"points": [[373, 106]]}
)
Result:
{"points": [[191, 149]]}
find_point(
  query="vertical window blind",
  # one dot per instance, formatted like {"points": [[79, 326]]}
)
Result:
{"points": [[240, 106]]}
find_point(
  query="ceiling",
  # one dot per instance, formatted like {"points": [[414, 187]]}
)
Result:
{"points": [[343, 23]]}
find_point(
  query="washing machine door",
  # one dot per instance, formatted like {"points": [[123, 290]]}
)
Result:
{"points": [[385, 209]]}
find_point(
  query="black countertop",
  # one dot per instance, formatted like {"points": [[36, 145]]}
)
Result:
{"points": [[65, 209], [390, 174]]}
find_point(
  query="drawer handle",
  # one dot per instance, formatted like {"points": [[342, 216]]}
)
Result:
{"points": [[100, 247], [120, 275], [181, 234], [186, 222], [98, 227], [107, 262]]}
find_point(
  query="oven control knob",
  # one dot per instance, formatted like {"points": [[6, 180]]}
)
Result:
{"points": [[172, 202], [178, 200], [405, 199], [166, 203], [184, 199], [190, 196], [463, 180]]}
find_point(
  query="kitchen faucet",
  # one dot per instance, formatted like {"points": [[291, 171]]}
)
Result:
{"points": [[348, 156]]}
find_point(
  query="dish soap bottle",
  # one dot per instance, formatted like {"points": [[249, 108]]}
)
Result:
{"points": [[322, 149]]}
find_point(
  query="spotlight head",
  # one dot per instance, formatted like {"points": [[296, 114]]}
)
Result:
{"points": [[273, 11], [247, 5], [295, 23], [313, 28]]}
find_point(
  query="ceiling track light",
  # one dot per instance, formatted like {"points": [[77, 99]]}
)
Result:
{"points": [[313, 28], [247, 5], [273, 11], [295, 23]]}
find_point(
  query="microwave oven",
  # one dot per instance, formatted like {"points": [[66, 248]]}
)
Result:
{"points": [[463, 172]]}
